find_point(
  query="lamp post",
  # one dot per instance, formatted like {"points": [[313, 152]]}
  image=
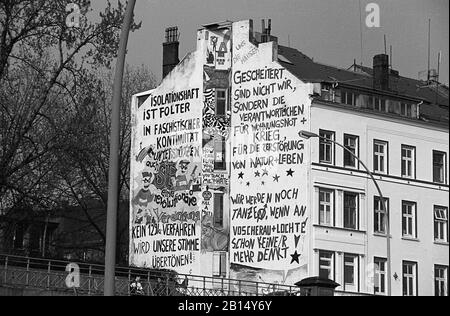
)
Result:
{"points": [[113, 174], [308, 135]]}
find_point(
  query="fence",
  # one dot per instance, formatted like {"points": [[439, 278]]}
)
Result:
{"points": [[51, 275]]}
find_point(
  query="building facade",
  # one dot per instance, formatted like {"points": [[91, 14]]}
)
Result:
{"points": [[223, 185]]}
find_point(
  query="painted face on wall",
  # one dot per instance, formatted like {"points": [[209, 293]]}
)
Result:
{"points": [[184, 165], [147, 180]]}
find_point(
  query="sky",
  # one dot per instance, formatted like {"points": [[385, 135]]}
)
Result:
{"points": [[326, 30]]}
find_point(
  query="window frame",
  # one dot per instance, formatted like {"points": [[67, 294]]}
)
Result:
{"points": [[331, 204], [357, 151], [379, 103], [346, 94], [414, 278], [332, 273], [412, 217], [444, 279], [380, 211], [331, 145], [412, 160], [444, 167], [224, 99], [357, 209], [381, 275], [444, 221], [385, 144], [355, 285]]}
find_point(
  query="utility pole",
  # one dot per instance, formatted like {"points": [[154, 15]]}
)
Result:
{"points": [[113, 175]]}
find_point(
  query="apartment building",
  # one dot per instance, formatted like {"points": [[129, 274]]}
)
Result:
{"points": [[223, 185]]}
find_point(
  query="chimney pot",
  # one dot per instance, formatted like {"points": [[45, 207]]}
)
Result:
{"points": [[381, 72], [170, 50]]}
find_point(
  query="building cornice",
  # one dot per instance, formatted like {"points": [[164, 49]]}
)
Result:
{"points": [[442, 127]]}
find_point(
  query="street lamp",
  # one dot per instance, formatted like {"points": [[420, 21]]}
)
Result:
{"points": [[113, 173], [308, 135]]}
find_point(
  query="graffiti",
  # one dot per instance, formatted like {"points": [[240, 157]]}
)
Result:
{"points": [[216, 132], [218, 49], [268, 213], [214, 124], [165, 216], [213, 239]]}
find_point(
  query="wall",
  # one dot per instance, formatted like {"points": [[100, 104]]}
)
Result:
{"points": [[214, 45], [365, 242], [166, 199], [269, 165]]}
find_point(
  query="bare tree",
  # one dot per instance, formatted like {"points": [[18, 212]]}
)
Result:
{"points": [[44, 67], [83, 159], [36, 41]]}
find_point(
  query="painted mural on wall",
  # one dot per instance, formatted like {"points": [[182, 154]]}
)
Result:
{"points": [[216, 131], [269, 215], [166, 199], [218, 48]]}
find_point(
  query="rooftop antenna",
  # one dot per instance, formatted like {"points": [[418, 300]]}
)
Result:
{"points": [[390, 56], [385, 45], [438, 73], [361, 32], [429, 48]]}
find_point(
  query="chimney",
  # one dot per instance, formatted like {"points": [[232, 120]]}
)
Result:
{"points": [[263, 31], [170, 50], [381, 72], [266, 31]]}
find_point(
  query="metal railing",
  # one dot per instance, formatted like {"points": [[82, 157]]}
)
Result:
{"points": [[50, 275]]}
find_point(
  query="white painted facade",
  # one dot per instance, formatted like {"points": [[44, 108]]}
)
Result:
{"points": [[365, 242]]}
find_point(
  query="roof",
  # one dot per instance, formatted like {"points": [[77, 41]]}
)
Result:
{"points": [[435, 97]]}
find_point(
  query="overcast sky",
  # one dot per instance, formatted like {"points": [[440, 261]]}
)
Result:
{"points": [[326, 30]]}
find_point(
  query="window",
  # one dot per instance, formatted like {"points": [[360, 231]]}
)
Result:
{"points": [[351, 206], [351, 143], [440, 224], [380, 215], [409, 227], [407, 109], [408, 161], [221, 102], [380, 156], [380, 105], [326, 147], [380, 276], [219, 154], [326, 207], [440, 281], [409, 278], [326, 265], [350, 272], [220, 264], [348, 98], [439, 167], [218, 210]]}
